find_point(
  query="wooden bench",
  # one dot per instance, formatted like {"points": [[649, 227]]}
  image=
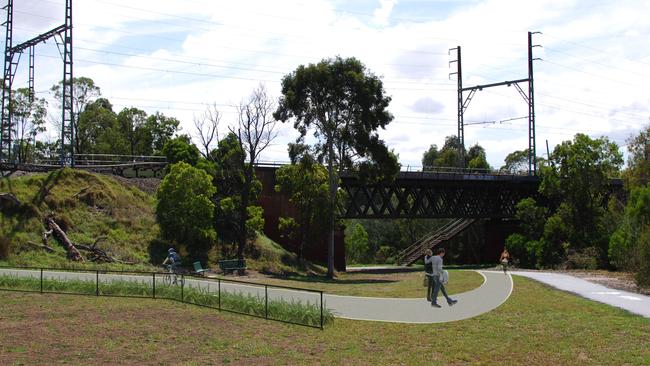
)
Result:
{"points": [[230, 265], [198, 269]]}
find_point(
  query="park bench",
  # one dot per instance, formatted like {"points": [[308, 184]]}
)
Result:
{"points": [[198, 269], [230, 265]]}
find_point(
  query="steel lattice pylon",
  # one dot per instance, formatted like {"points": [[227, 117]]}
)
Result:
{"points": [[528, 97], [7, 80], [12, 57]]}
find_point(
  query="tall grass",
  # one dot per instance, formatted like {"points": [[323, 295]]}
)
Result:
{"points": [[287, 311]]}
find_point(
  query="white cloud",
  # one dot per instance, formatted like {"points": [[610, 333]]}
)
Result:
{"points": [[382, 14]]}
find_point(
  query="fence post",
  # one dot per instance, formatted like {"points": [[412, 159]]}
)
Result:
{"points": [[97, 283], [41, 280], [266, 301], [219, 302], [154, 284], [321, 310]]}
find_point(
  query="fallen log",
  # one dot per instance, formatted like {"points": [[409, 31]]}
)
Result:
{"points": [[100, 255], [60, 236], [97, 255], [45, 247]]}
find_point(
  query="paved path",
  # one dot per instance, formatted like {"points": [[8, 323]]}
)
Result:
{"points": [[494, 291], [630, 301]]}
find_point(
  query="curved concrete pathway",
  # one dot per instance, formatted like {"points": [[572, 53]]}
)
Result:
{"points": [[494, 291], [630, 301]]}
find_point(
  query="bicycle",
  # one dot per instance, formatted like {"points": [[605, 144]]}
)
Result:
{"points": [[172, 278]]}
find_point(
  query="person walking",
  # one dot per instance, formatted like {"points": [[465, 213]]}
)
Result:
{"points": [[505, 259], [436, 262], [428, 272]]}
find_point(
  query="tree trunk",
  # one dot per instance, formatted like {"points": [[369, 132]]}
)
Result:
{"points": [[243, 212], [333, 183], [59, 234]]}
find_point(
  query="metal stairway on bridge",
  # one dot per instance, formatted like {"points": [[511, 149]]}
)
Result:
{"points": [[411, 254]]}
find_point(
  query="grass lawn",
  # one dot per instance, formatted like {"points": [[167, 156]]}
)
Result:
{"points": [[536, 326], [390, 284]]}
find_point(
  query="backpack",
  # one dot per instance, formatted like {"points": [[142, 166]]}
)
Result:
{"points": [[444, 278], [175, 258]]}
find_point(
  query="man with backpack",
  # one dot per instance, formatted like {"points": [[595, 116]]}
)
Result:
{"points": [[436, 262], [173, 260]]}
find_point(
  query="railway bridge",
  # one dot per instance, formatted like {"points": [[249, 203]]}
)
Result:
{"points": [[441, 194]]}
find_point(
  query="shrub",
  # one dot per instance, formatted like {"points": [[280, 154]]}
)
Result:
{"points": [[185, 210], [582, 259], [522, 251], [643, 274], [384, 254], [356, 243]]}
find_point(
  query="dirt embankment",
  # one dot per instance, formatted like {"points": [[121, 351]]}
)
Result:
{"points": [[147, 185], [616, 280]]}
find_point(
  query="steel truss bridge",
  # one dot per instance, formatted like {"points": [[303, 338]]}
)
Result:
{"points": [[440, 193], [437, 195]]}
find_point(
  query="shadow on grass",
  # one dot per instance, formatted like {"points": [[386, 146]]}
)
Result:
{"points": [[337, 281]]}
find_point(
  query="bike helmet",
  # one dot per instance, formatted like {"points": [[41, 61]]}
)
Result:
{"points": [[171, 250]]}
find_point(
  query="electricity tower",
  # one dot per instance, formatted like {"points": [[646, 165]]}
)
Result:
{"points": [[63, 36], [463, 102]]}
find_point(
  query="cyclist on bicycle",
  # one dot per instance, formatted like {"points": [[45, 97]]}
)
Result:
{"points": [[173, 260]]}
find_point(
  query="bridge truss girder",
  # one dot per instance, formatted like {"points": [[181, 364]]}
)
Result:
{"points": [[435, 199]]}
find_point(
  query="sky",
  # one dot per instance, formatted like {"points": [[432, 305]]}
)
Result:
{"points": [[179, 57]]}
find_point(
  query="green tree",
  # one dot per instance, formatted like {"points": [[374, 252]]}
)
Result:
{"points": [[638, 161], [185, 210], [430, 156], [356, 244], [531, 218], [344, 105], [453, 155], [305, 184], [476, 159], [629, 246], [516, 163], [28, 121], [579, 177], [132, 122], [98, 131], [181, 149], [229, 176], [576, 187], [161, 130], [84, 91]]}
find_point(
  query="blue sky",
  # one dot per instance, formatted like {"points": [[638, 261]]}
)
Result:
{"points": [[177, 57]]}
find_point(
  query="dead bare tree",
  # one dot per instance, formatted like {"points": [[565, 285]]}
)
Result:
{"points": [[207, 128], [255, 130]]}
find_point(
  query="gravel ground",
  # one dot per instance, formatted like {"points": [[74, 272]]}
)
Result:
{"points": [[617, 280], [147, 185]]}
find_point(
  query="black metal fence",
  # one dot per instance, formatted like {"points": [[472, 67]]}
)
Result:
{"points": [[279, 303]]}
